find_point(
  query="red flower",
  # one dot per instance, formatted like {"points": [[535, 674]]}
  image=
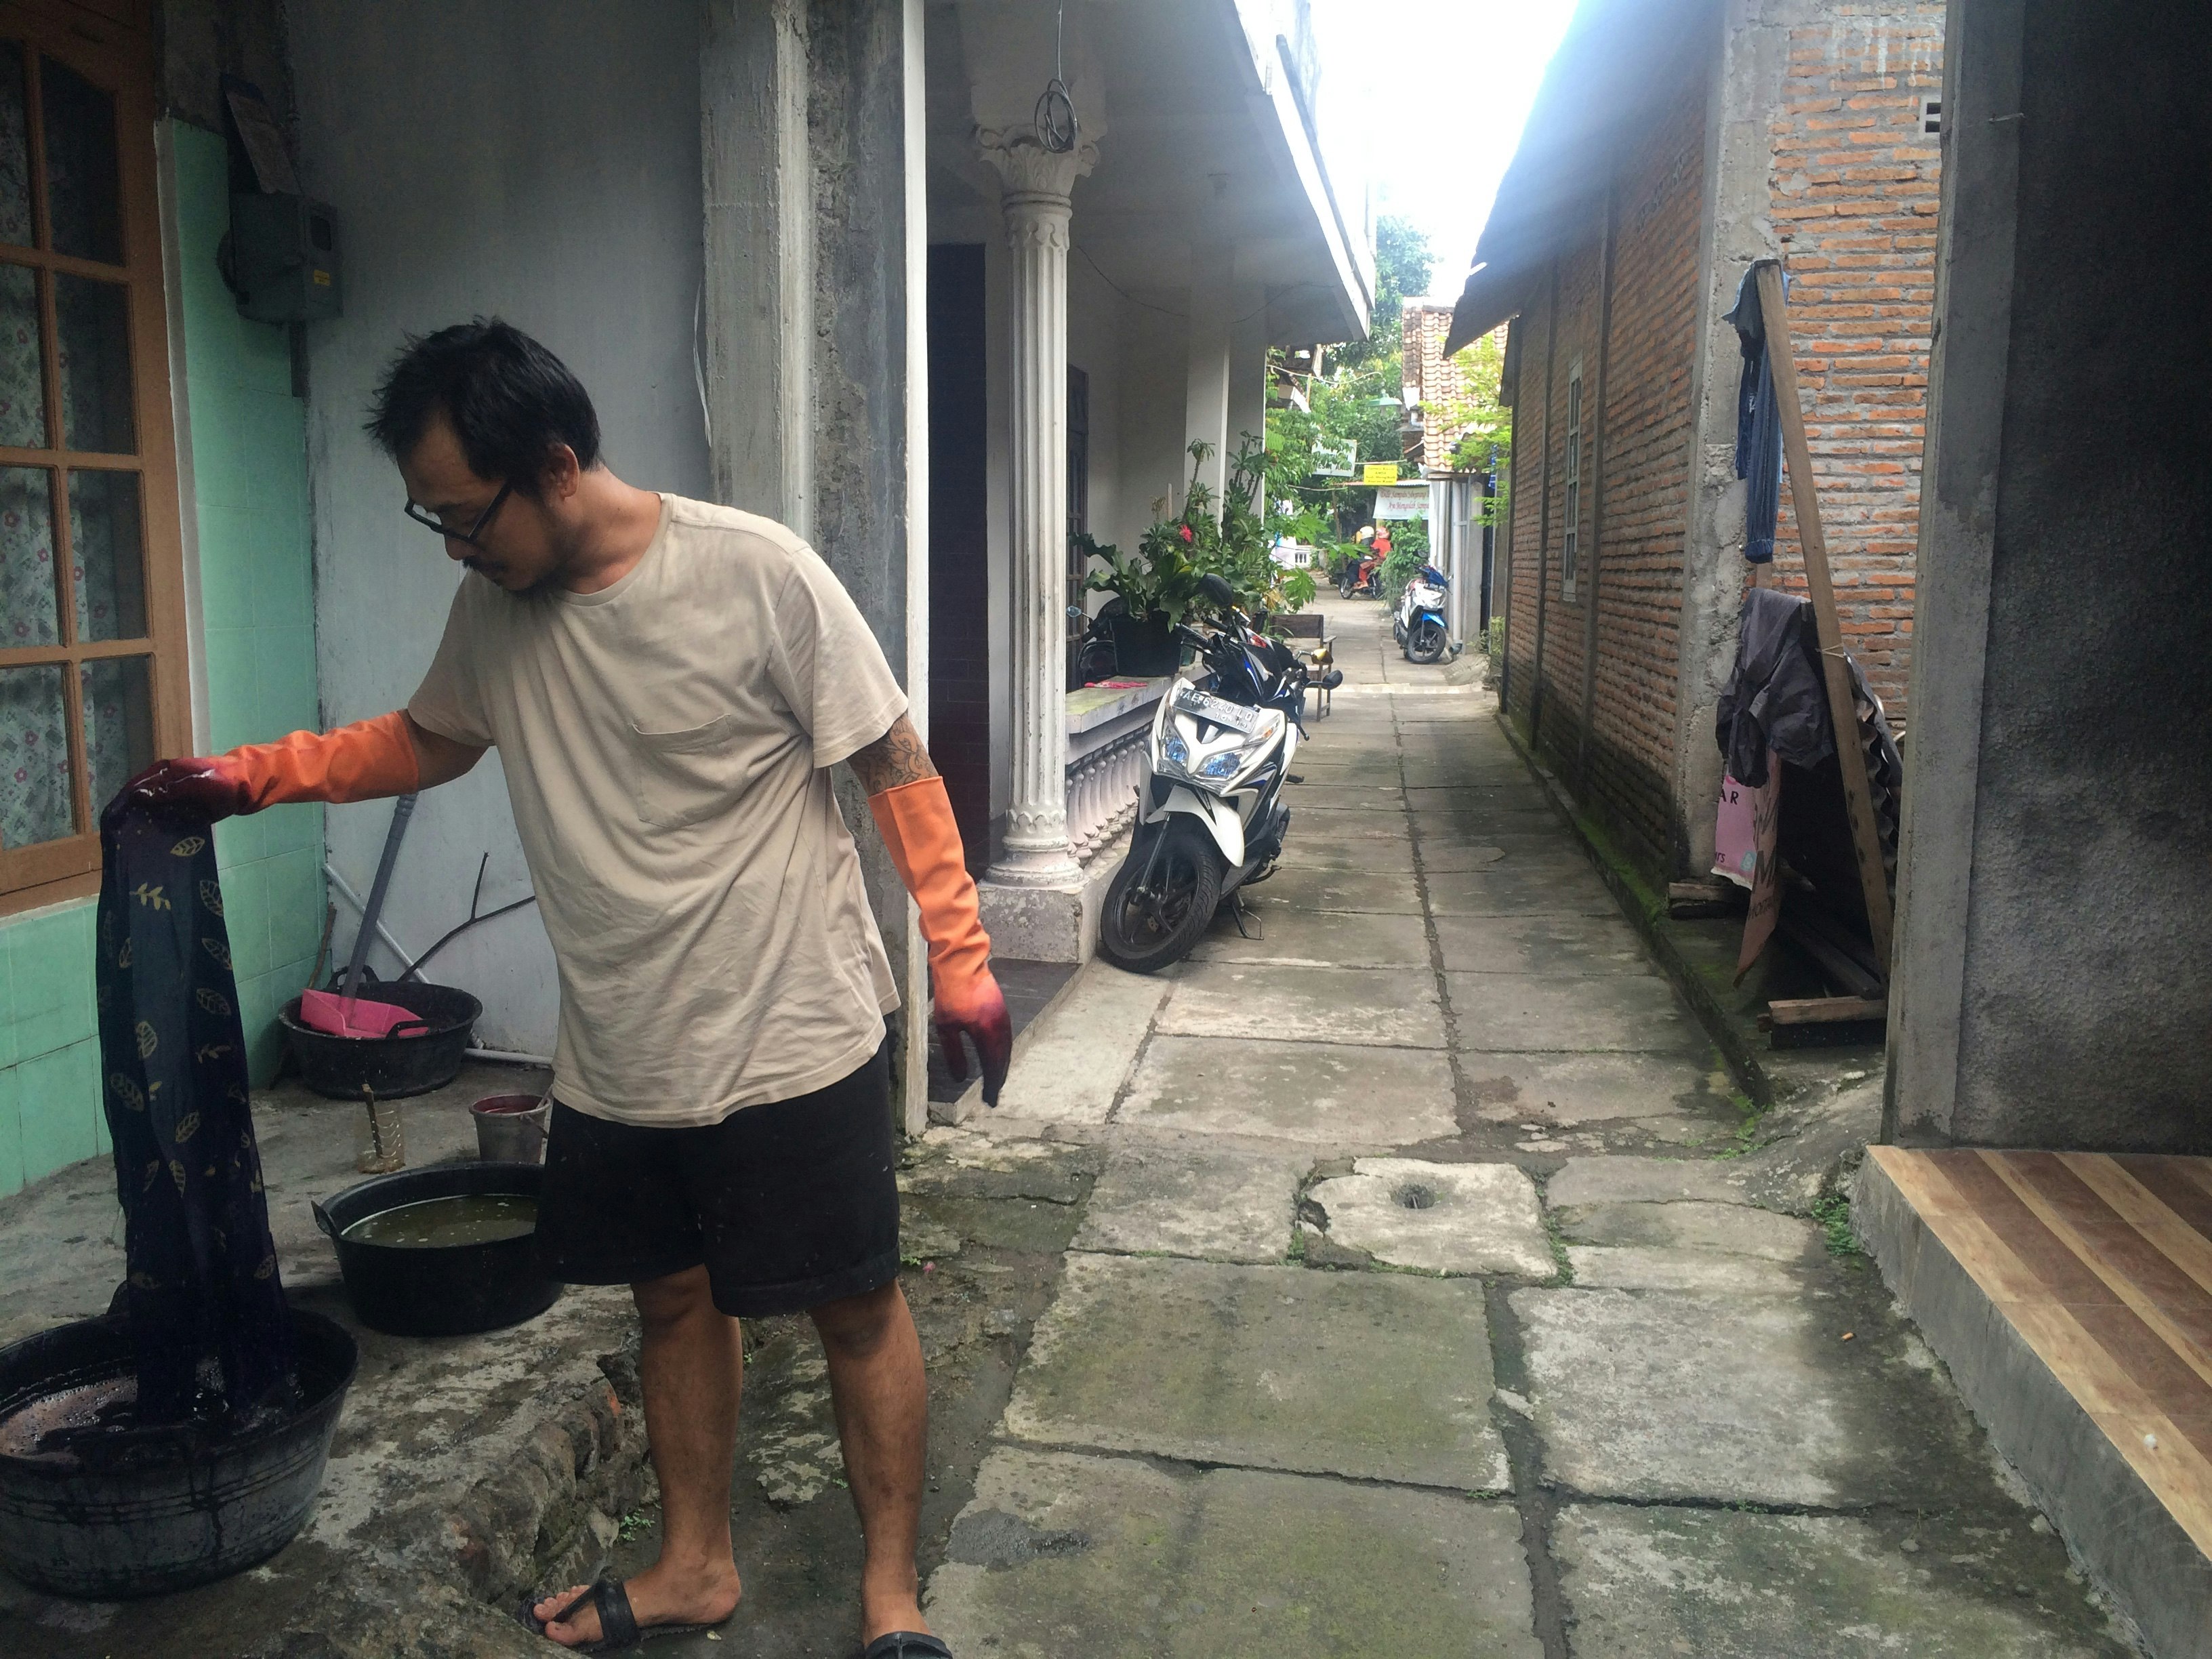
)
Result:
{"points": [[1187, 536]]}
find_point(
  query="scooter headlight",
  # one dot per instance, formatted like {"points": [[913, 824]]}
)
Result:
{"points": [[1175, 750], [1225, 765]]}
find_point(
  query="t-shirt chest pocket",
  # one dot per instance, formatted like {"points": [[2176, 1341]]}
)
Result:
{"points": [[684, 776]]}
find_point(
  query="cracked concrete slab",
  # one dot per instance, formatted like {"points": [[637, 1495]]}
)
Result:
{"points": [[1499, 891], [1445, 1218], [1199, 1201], [1365, 885], [1111, 1557], [1070, 1065], [1652, 1583], [1604, 1013], [1375, 1376], [1566, 1090], [1639, 1268], [1546, 945], [1386, 1007], [1288, 936], [1626, 1180], [1728, 1229], [1331, 1093], [1667, 1396]]}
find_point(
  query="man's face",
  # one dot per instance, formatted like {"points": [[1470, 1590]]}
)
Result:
{"points": [[523, 545]]}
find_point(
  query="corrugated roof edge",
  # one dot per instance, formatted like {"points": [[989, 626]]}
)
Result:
{"points": [[1618, 63]]}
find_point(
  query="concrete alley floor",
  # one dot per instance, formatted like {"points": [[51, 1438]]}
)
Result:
{"points": [[1401, 1277], [1434, 1296]]}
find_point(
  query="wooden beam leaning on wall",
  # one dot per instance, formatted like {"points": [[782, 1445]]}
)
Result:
{"points": [[1858, 796]]}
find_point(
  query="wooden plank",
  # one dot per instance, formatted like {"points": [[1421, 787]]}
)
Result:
{"points": [[1858, 795], [1826, 1010], [2170, 1319], [2139, 1206], [2177, 1472], [1851, 975]]}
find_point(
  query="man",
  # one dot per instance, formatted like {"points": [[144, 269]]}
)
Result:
{"points": [[667, 683]]}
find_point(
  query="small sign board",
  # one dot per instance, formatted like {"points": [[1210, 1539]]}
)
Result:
{"points": [[1398, 501], [1336, 460], [1379, 472]]}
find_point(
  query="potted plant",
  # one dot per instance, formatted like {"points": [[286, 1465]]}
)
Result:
{"points": [[1156, 588]]}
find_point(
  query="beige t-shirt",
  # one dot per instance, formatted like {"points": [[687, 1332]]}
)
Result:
{"points": [[667, 743]]}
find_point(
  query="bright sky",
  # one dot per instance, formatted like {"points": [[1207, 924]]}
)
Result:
{"points": [[1432, 95]]}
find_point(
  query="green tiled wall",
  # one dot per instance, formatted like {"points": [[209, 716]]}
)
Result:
{"points": [[249, 471]]}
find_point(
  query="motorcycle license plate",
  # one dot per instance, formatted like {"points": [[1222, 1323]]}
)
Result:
{"points": [[1208, 707]]}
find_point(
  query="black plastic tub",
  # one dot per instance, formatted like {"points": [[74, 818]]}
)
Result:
{"points": [[451, 1290], [393, 1066], [172, 1512]]}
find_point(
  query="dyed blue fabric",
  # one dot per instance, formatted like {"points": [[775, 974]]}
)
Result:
{"points": [[1758, 421], [202, 1293]]}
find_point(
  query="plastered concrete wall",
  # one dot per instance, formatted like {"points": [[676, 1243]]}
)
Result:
{"points": [[535, 161], [2063, 563]]}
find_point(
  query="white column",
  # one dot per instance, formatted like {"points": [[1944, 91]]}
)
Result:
{"points": [[1037, 205], [1205, 398]]}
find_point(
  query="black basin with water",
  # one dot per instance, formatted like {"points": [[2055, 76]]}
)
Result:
{"points": [[176, 1510], [450, 1290], [340, 1067]]}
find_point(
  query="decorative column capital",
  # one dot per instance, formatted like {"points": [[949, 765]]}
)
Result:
{"points": [[1034, 176]]}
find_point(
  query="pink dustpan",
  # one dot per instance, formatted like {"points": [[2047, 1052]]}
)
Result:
{"points": [[357, 1018]]}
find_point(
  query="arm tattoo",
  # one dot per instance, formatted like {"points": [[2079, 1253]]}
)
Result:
{"points": [[895, 757]]}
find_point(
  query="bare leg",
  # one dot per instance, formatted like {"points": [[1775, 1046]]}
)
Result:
{"points": [[691, 1368], [882, 1420]]}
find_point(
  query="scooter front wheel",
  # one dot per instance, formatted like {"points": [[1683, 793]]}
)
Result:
{"points": [[1161, 899], [1427, 642]]}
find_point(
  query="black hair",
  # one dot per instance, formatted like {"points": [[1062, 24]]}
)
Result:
{"points": [[510, 401]]}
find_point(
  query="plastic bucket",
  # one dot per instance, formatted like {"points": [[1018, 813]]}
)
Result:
{"points": [[511, 1128], [452, 1290], [176, 1513]]}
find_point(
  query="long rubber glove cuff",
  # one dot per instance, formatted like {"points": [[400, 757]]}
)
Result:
{"points": [[361, 762], [917, 825], [355, 763]]}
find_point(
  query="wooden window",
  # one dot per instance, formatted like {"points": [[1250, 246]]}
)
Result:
{"points": [[93, 677], [1570, 544]]}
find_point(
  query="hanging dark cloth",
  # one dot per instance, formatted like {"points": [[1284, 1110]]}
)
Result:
{"points": [[202, 1292], [1758, 421], [1777, 699]]}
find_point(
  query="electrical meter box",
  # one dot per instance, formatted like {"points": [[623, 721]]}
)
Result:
{"points": [[284, 257]]}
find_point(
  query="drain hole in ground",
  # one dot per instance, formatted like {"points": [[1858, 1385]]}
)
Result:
{"points": [[1414, 1196]]}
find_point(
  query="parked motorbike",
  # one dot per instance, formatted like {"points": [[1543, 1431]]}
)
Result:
{"points": [[1211, 819], [1418, 623]]}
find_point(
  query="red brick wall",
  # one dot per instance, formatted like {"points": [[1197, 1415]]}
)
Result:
{"points": [[1855, 195], [1647, 447], [1635, 520]]}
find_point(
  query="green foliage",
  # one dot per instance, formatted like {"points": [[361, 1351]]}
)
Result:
{"points": [[1176, 554], [1833, 1210], [1403, 266]]}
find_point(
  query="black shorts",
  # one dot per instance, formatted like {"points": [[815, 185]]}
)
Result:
{"points": [[789, 1204]]}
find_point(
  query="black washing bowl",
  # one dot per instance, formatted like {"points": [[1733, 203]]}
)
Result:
{"points": [[451, 1290]]}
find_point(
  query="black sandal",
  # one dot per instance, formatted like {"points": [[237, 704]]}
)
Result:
{"points": [[619, 1631], [906, 1644]]}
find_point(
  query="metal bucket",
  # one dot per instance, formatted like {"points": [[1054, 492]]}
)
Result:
{"points": [[511, 1128]]}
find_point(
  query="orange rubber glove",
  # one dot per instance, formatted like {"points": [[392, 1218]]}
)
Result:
{"points": [[917, 822], [361, 761]]}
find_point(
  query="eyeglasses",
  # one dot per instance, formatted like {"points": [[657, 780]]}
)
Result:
{"points": [[423, 516]]}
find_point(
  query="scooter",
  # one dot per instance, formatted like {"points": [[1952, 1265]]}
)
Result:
{"points": [[1419, 624], [1211, 819], [1361, 576]]}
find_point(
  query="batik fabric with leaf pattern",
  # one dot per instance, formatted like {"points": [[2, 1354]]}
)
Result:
{"points": [[202, 1293]]}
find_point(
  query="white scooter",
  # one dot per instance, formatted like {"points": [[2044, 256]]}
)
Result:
{"points": [[1212, 817]]}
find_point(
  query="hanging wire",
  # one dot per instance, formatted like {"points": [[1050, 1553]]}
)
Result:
{"points": [[1057, 126]]}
